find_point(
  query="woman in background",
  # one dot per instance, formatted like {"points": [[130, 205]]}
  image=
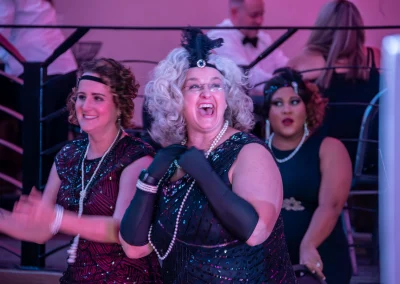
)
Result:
{"points": [[316, 173]]}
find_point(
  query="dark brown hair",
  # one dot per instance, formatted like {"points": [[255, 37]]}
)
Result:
{"points": [[308, 92], [121, 81]]}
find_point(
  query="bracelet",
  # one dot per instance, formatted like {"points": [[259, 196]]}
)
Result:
{"points": [[56, 224], [146, 187]]}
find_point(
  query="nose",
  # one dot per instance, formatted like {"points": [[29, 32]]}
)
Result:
{"points": [[86, 104], [286, 108], [205, 92], [259, 20]]}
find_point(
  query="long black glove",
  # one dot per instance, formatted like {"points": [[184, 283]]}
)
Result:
{"points": [[236, 214], [137, 219]]}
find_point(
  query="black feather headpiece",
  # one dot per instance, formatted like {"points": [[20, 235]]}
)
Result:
{"points": [[199, 47]]}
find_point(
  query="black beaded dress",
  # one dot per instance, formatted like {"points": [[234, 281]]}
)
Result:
{"points": [[204, 251], [102, 262]]}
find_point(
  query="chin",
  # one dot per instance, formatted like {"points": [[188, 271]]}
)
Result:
{"points": [[287, 134]]}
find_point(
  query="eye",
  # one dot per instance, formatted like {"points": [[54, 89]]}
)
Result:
{"points": [[81, 97], [277, 103], [98, 98], [295, 101], [215, 87], [194, 87]]}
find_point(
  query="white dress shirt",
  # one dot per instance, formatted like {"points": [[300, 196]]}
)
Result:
{"points": [[234, 49], [34, 44]]}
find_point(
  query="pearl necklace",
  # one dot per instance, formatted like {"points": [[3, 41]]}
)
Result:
{"points": [[213, 144], [74, 246], [306, 133]]}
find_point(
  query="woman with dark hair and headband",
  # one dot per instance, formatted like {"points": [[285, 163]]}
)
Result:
{"points": [[90, 184], [316, 173], [209, 203]]}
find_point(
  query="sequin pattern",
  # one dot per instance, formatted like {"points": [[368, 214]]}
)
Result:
{"points": [[99, 262], [204, 251]]}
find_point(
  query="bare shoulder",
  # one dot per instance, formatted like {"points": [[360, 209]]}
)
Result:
{"points": [[332, 148], [308, 60], [255, 152]]}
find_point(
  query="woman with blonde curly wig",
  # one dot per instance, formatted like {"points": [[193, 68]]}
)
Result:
{"points": [[90, 184], [211, 199], [316, 173]]}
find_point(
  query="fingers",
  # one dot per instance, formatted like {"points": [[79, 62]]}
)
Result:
{"points": [[22, 207], [176, 148], [316, 268], [35, 192]]}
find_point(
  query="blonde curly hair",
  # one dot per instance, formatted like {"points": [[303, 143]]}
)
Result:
{"points": [[164, 98]]}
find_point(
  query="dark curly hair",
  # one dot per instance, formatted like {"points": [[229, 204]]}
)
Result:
{"points": [[121, 81], [307, 91]]}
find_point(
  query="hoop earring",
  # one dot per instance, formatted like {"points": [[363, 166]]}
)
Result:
{"points": [[267, 129], [306, 131]]}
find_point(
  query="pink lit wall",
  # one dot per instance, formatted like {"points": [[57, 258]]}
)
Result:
{"points": [[154, 45]]}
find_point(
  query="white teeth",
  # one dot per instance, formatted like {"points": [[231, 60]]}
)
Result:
{"points": [[89, 116], [206, 106]]}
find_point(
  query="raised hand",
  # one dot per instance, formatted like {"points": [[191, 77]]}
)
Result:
{"points": [[164, 159]]}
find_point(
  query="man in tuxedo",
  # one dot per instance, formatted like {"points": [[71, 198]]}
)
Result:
{"points": [[244, 45]]}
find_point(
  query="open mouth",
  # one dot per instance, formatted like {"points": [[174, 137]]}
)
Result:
{"points": [[206, 109], [287, 121]]}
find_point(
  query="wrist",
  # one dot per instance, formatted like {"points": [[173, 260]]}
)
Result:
{"points": [[307, 244], [56, 224], [146, 178], [147, 183]]}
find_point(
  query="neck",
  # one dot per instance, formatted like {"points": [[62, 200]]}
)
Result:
{"points": [[100, 142], [202, 140], [287, 143]]}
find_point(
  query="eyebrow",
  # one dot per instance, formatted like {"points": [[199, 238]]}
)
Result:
{"points": [[196, 79], [93, 94]]}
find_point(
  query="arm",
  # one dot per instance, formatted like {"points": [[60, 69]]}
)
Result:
{"points": [[250, 209], [261, 186], [20, 226], [335, 185], [137, 219], [103, 228], [334, 190], [11, 226], [40, 210]]}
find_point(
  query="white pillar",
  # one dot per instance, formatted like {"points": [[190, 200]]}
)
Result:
{"points": [[389, 164]]}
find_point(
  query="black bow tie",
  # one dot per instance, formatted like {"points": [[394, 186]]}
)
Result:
{"points": [[252, 40]]}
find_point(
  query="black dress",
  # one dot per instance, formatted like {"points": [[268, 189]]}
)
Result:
{"points": [[204, 251], [301, 177], [343, 118]]}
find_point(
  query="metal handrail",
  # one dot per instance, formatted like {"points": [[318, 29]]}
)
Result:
{"points": [[11, 146], [11, 180], [15, 79], [11, 112], [178, 28]]}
